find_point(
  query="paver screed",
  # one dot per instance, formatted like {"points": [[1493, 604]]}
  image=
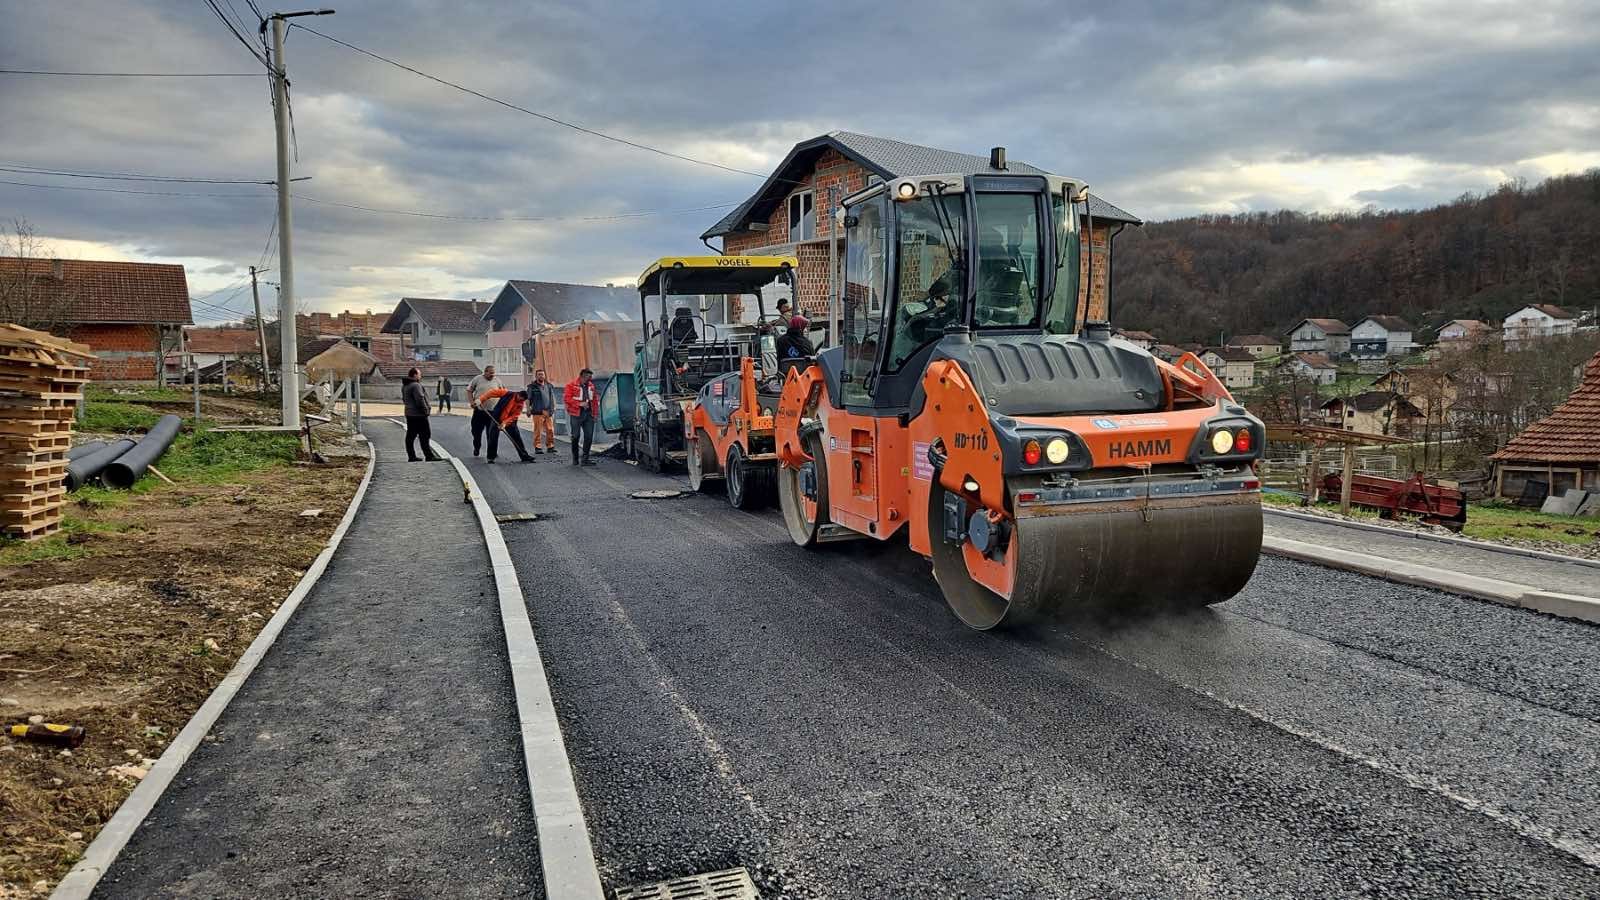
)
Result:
{"points": [[375, 751]]}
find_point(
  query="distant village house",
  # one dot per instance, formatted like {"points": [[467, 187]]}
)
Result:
{"points": [[1374, 412], [1236, 368], [524, 308], [441, 329], [1535, 321], [1376, 337], [1330, 337], [1314, 367], [1257, 345]]}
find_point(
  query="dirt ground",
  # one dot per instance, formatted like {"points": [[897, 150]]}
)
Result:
{"points": [[128, 639]]}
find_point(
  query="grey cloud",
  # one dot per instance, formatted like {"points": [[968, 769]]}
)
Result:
{"points": [[1155, 103]]}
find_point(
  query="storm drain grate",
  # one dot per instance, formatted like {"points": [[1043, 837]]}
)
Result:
{"points": [[729, 884]]}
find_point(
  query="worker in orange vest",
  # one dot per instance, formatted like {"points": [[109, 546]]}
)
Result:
{"points": [[504, 407]]}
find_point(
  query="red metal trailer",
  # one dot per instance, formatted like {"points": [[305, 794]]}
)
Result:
{"points": [[1437, 505]]}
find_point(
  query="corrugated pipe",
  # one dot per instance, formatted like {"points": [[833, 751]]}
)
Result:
{"points": [[85, 469], [130, 466]]}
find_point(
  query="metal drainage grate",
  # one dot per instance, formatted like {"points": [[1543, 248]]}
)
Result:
{"points": [[655, 495], [729, 884]]}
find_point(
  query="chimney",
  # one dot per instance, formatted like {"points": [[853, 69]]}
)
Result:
{"points": [[997, 158], [58, 269]]}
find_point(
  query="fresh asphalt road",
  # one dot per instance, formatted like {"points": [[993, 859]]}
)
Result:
{"points": [[820, 718]]}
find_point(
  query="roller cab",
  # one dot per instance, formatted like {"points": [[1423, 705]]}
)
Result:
{"points": [[1039, 464]]}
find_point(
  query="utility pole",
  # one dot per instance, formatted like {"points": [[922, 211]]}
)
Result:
{"points": [[261, 329], [280, 116]]}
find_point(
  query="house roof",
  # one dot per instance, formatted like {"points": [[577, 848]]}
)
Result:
{"points": [[1570, 434], [1231, 354], [308, 349], [96, 291], [1314, 360], [1373, 401], [1253, 340], [1136, 335], [448, 368], [885, 158], [1389, 323], [440, 315], [557, 302], [1470, 326], [222, 340], [1549, 309], [1328, 326]]}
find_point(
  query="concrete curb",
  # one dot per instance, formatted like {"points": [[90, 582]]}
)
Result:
{"points": [[97, 858], [1443, 539], [1506, 593], [570, 871]]}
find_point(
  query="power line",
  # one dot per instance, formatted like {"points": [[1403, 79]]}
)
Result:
{"points": [[522, 109], [428, 215], [639, 214], [234, 30], [132, 74], [68, 187], [22, 169]]}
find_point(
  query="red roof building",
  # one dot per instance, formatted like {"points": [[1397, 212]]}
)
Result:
{"points": [[120, 309], [1561, 449]]}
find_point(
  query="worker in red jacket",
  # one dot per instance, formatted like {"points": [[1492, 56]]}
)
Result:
{"points": [[504, 407], [583, 408]]}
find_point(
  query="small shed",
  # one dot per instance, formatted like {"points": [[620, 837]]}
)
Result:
{"points": [[1561, 450]]}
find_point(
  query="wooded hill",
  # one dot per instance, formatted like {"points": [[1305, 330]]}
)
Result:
{"points": [[1479, 257]]}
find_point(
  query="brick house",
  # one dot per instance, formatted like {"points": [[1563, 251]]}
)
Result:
{"points": [[341, 324], [123, 310], [789, 214], [524, 308]]}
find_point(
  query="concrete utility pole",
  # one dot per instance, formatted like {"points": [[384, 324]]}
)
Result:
{"points": [[261, 329], [280, 117]]}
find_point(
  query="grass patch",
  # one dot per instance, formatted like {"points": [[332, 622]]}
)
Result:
{"points": [[114, 417], [1292, 500], [16, 552], [102, 392], [1498, 521], [211, 456]]}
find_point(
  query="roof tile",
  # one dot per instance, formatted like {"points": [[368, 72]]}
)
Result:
{"points": [[1570, 434], [98, 291]]}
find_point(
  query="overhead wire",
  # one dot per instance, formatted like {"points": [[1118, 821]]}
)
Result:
{"points": [[22, 169], [73, 187], [523, 109], [131, 74], [234, 30]]}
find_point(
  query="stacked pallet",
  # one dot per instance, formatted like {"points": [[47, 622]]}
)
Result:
{"points": [[41, 385]]}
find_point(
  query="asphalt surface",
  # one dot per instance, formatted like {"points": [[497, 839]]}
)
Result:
{"points": [[820, 718], [374, 752], [1543, 574]]}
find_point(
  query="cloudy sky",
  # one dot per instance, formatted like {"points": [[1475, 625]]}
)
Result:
{"points": [[1166, 108]]}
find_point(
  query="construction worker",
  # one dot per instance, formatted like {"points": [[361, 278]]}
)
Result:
{"points": [[416, 403], [793, 343], [476, 389], [541, 406], [583, 408], [503, 408], [443, 389]]}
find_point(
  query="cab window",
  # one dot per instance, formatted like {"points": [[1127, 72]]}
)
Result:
{"points": [[1063, 315], [865, 282], [1008, 259], [929, 281]]}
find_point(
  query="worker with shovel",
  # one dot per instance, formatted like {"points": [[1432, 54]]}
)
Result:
{"points": [[503, 408], [477, 388]]}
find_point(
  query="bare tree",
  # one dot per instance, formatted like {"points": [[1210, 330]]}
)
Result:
{"points": [[33, 291]]}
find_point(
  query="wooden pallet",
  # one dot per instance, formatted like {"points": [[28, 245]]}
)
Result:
{"points": [[32, 530], [44, 498]]}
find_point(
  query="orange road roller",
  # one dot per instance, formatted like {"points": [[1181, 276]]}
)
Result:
{"points": [[1041, 465]]}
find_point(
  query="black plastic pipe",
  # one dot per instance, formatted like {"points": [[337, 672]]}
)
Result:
{"points": [[84, 469], [130, 466], [85, 449]]}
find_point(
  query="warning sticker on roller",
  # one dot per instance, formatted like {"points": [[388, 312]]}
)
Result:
{"points": [[921, 469]]}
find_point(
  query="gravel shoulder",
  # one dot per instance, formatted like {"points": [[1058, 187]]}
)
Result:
{"points": [[820, 718], [374, 751]]}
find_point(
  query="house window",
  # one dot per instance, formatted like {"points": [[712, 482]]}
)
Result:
{"points": [[802, 216], [477, 353]]}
